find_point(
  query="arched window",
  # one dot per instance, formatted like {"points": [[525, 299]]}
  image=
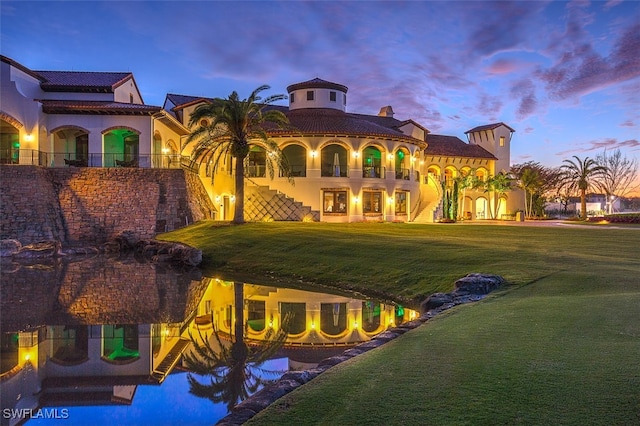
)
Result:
{"points": [[158, 157], [297, 157], [402, 164], [121, 148], [9, 143], [256, 165], [120, 342], [449, 175], [333, 318], [370, 316], [334, 161], [293, 317], [70, 344], [8, 351], [71, 147], [371, 162]]}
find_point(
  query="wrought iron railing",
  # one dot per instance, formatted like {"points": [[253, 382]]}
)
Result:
{"points": [[70, 159]]}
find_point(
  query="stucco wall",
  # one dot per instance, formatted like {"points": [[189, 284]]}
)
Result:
{"points": [[92, 205]]}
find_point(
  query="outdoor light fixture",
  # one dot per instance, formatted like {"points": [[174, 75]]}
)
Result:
{"points": [[313, 325], [165, 150], [356, 154], [217, 198], [313, 154], [233, 198], [390, 200], [390, 157], [28, 137], [355, 199]]}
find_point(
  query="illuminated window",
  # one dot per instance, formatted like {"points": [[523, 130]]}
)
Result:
{"points": [[309, 95], [372, 202], [293, 317], [501, 140], [401, 202], [333, 318], [332, 96], [335, 202]]}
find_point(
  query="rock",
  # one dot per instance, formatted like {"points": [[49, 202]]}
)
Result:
{"points": [[478, 284], [9, 247], [435, 300]]}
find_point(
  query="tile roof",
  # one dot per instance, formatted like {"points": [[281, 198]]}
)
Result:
{"points": [[96, 107], [326, 121], [452, 146], [80, 81], [181, 101], [488, 127], [317, 83]]}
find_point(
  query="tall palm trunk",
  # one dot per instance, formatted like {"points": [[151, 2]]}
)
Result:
{"points": [[583, 204], [238, 213]]}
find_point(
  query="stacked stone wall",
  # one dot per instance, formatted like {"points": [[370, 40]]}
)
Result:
{"points": [[93, 205]]}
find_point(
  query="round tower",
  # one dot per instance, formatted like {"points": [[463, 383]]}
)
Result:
{"points": [[317, 93]]}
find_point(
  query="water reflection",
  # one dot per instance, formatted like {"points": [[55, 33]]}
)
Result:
{"points": [[97, 334]]}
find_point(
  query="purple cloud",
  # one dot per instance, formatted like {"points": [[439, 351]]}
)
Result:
{"points": [[579, 68]]}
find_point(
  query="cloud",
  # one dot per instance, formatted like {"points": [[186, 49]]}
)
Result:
{"points": [[602, 144], [627, 123], [524, 90], [579, 69]]}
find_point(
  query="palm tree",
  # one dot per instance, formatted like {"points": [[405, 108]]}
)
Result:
{"points": [[231, 368], [582, 175], [231, 126], [530, 182], [498, 185]]}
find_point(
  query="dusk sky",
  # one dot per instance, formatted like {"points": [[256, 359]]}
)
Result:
{"points": [[564, 75]]}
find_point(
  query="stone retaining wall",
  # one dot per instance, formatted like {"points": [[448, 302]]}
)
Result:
{"points": [[93, 205]]}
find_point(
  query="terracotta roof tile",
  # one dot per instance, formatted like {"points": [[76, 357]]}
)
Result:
{"points": [[79, 81], [317, 83], [452, 146], [325, 121], [96, 107], [488, 127]]}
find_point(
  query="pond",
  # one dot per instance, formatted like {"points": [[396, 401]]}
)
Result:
{"points": [[106, 340]]}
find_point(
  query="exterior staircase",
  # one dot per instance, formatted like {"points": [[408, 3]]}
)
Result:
{"points": [[170, 361], [431, 198], [265, 204]]}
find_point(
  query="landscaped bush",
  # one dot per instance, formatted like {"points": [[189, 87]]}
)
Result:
{"points": [[623, 218]]}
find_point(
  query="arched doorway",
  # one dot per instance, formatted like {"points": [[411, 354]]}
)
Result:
{"points": [[256, 162], [334, 161], [121, 147], [481, 208], [371, 162], [71, 147], [158, 153], [297, 157], [401, 166], [9, 143]]}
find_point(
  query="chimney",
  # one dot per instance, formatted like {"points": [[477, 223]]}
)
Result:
{"points": [[386, 111]]}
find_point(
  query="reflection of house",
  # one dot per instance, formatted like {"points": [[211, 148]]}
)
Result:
{"points": [[346, 166], [311, 319], [85, 338]]}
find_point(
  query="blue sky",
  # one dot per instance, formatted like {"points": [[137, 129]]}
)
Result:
{"points": [[564, 75]]}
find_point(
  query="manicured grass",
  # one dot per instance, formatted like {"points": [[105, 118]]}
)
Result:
{"points": [[405, 260], [559, 346]]}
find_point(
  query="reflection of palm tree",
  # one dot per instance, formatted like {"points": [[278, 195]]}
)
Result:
{"points": [[234, 370]]}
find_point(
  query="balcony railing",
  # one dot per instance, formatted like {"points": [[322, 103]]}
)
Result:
{"points": [[67, 159], [373, 172], [403, 174]]}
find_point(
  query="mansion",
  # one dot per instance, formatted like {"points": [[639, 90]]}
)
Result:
{"points": [[346, 167]]}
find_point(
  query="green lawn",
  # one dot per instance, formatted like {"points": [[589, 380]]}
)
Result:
{"points": [[560, 345]]}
